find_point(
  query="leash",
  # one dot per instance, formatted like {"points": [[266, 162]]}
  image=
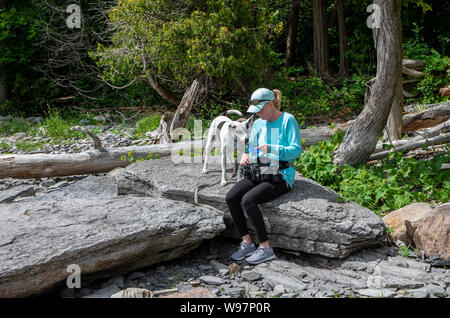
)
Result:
{"points": [[204, 185]]}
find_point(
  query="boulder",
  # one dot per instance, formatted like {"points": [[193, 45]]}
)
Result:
{"points": [[103, 236], [310, 218], [411, 214], [433, 233]]}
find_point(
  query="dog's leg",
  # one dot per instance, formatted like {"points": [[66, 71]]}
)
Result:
{"points": [[209, 145], [224, 164]]}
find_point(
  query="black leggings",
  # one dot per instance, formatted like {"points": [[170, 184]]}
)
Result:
{"points": [[250, 194]]}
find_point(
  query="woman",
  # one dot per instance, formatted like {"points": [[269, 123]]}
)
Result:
{"points": [[275, 136]]}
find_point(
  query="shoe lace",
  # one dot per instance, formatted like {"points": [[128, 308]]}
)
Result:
{"points": [[243, 245]]}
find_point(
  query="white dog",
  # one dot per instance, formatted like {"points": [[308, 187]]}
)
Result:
{"points": [[228, 132]]}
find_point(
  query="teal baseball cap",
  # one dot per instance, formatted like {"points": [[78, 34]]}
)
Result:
{"points": [[259, 98]]}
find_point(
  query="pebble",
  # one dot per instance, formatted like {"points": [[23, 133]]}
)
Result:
{"points": [[204, 267], [136, 275], [250, 275], [212, 280]]}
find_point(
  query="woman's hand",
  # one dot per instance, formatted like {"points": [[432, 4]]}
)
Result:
{"points": [[264, 148], [245, 160]]}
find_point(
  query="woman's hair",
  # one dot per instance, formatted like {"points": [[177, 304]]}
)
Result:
{"points": [[278, 97]]}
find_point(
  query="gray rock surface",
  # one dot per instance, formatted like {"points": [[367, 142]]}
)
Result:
{"points": [[301, 276], [39, 239], [7, 196], [311, 218], [92, 186]]}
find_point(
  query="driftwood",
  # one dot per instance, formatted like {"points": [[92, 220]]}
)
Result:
{"points": [[164, 134], [426, 133], [426, 118], [441, 139], [95, 161]]}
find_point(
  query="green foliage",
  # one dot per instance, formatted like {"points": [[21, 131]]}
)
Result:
{"points": [[309, 96], [405, 251], [429, 86], [14, 125], [437, 67], [130, 157], [395, 183], [18, 54], [146, 124], [5, 146], [29, 146], [58, 128], [223, 41]]}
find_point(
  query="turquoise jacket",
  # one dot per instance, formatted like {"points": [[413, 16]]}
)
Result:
{"points": [[283, 138]]}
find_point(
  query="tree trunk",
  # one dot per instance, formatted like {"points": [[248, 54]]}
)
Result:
{"points": [[343, 60], [394, 126], [291, 42], [321, 44], [181, 116], [168, 96], [362, 136], [164, 134]]}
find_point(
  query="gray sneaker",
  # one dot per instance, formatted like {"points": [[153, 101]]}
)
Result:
{"points": [[243, 251], [261, 255]]}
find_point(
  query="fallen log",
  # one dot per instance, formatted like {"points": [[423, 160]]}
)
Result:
{"points": [[94, 161], [427, 118], [427, 133], [441, 139], [418, 65]]}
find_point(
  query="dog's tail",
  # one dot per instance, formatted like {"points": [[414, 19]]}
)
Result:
{"points": [[231, 111]]}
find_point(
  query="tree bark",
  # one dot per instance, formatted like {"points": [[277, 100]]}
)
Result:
{"points": [[168, 96], [394, 126], [181, 116], [362, 136], [291, 42], [426, 118], [321, 43], [343, 60], [164, 134]]}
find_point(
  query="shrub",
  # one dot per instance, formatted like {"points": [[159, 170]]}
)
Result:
{"points": [[394, 183]]}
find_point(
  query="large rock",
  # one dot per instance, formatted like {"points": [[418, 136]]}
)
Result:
{"points": [[89, 187], [39, 239], [7, 196], [310, 218], [412, 214], [433, 233]]}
